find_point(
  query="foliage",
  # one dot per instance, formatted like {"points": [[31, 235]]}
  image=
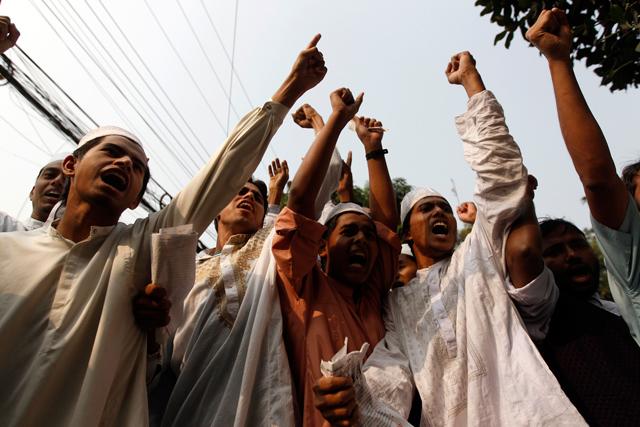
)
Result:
{"points": [[605, 33], [603, 289]]}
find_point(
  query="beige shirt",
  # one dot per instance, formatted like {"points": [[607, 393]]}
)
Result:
{"points": [[71, 353]]}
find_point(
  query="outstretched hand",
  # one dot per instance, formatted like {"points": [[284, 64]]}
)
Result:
{"points": [[307, 117], [369, 131], [335, 398], [9, 34], [343, 104], [551, 34], [278, 178], [462, 70]]}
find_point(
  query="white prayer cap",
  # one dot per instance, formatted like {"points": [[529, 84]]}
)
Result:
{"points": [[413, 197], [106, 131], [339, 209], [406, 250]]}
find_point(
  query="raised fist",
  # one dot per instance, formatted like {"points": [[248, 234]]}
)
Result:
{"points": [[467, 212], [368, 130], [344, 105], [460, 67], [551, 34], [307, 117], [9, 34]]}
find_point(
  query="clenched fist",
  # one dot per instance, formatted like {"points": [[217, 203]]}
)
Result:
{"points": [[343, 104], [551, 34], [9, 34]]}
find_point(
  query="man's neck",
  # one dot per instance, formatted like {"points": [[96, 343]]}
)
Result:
{"points": [[225, 233], [79, 217], [426, 261], [39, 216]]}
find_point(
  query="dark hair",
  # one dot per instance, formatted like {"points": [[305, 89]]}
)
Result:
{"points": [[262, 187], [628, 175], [549, 225], [79, 153]]}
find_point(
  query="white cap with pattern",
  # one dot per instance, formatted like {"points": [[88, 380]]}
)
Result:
{"points": [[413, 197], [339, 209], [107, 131]]}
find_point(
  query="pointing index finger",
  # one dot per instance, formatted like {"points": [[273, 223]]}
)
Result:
{"points": [[314, 41]]}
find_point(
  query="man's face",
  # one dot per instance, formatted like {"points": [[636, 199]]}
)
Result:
{"points": [[111, 174], [47, 190], [244, 214], [432, 227], [407, 269], [572, 261], [352, 248]]}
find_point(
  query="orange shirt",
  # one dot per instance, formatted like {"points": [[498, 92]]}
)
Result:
{"points": [[318, 311]]}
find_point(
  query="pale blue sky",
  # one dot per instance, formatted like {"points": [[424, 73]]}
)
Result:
{"points": [[395, 52]]}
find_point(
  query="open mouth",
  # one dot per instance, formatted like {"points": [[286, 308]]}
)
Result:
{"points": [[246, 206], [52, 194], [580, 272], [358, 258], [440, 228], [115, 179]]}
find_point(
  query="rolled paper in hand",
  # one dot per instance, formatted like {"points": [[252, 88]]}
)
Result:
{"points": [[352, 126]]}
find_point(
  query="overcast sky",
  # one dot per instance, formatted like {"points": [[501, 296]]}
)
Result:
{"points": [[395, 52]]}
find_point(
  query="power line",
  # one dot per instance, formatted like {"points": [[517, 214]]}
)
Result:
{"points": [[233, 57], [226, 52], [184, 65], [206, 55], [115, 85], [137, 91], [144, 64], [104, 93]]}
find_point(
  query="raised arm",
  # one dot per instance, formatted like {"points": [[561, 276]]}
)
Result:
{"points": [[382, 198], [310, 175], [606, 193], [345, 184], [278, 178], [230, 168], [490, 150]]}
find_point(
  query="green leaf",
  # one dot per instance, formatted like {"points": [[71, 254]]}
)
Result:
{"points": [[499, 36]]}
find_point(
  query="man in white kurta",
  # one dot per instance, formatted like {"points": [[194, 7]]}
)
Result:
{"points": [[71, 354], [453, 333]]}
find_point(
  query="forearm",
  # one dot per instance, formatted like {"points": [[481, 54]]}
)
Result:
{"points": [[587, 147], [308, 180], [275, 195], [382, 197], [523, 250], [225, 173], [289, 92]]}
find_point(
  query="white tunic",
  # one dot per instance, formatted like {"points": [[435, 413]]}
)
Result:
{"points": [[453, 332], [71, 353], [9, 223]]}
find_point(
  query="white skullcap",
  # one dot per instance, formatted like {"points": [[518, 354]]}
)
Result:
{"points": [[339, 209], [406, 250], [106, 131], [413, 197]]}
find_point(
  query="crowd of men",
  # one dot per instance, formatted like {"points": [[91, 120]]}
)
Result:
{"points": [[325, 312]]}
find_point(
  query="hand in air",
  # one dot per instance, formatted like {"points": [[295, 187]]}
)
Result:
{"points": [[309, 68], [307, 117], [343, 104], [345, 184], [278, 175], [551, 34], [467, 212], [369, 131]]}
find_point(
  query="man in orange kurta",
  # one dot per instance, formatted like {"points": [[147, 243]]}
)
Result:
{"points": [[360, 254], [320, 311]]}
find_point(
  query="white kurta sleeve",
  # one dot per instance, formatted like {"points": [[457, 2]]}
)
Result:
{"points": [[536, 303], [388, 372], [225, 173], [501, 178]]}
